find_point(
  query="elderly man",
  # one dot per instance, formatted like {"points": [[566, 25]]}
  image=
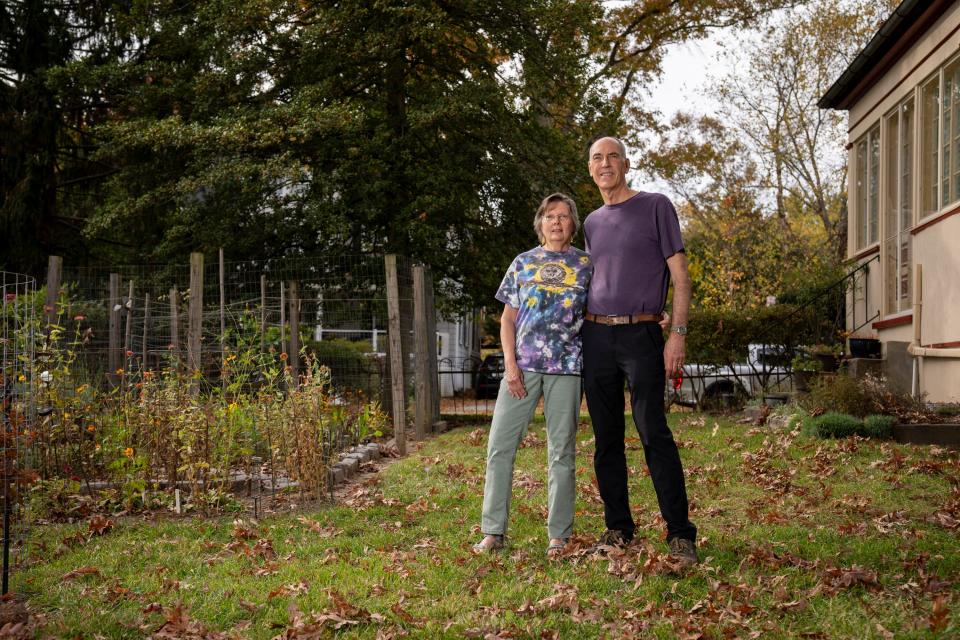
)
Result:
{"points": [[635, 244]]}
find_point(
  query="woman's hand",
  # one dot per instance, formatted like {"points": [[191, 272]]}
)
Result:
{"points": [[514, 377]]}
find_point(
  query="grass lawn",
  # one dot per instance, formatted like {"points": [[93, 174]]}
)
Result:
{"points": [[799, 538]]}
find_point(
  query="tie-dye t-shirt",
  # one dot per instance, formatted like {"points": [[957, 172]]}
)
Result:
{"points": [[549, 291]]}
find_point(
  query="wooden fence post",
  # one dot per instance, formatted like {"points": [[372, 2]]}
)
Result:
{"points": [[293, 356], [113, 350], [424, 404], [433, 372], [396, 354], [50, 306], [195, 319]]}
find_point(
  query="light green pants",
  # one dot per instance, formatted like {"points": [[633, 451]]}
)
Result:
{"points": [[561, 404]]}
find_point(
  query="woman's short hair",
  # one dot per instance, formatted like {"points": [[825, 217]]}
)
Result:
{"points": [[542, 209]]}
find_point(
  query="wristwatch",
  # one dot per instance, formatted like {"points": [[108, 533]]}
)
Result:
{"points": [[682, 331]]}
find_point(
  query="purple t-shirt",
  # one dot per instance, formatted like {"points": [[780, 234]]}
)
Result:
{"points": [[629, 244]]}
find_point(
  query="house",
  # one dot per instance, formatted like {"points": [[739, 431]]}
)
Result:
{"points": [[902, 93]]}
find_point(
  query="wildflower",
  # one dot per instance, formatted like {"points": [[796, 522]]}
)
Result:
{"points": [[79, 318], [22, 378], [283, 356], [81, 388], [120, 371], [91, 428], [129, 354], [231, 407], [96, 447], [128, 452], [171, 347]]}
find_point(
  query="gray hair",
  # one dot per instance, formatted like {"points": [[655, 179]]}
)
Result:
{"points": [[542, 209], [623, 147]]}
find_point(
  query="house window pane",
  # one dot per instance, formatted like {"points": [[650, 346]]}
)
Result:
{"points": [[891, 212], [861, 191], [930, 134], [874, 186], [951, 128], [906, 200]]}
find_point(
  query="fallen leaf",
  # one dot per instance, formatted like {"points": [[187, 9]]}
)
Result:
{"points": [[99, 525], [82, 571]]}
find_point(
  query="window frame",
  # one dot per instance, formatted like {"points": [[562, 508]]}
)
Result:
{"points": [[867, 187], [895, 208]]}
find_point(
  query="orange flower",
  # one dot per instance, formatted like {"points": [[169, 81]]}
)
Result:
{"points": [[91, 428], [128, 452], [283, 356]]}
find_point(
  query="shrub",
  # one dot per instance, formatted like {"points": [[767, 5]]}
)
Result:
{"points": [[834, 425], [877, 426], [841, 394], [350, 369]]}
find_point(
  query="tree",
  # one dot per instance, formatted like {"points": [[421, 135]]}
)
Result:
{"points": [[277, 127], [765, 180]]}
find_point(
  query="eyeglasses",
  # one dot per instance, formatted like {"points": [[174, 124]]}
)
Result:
{"points": [[557, 218]]}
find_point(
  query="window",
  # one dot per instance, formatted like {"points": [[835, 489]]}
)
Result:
{"points": [[868, 188], [930, 133], [897, 208], [940, 140], [950, 169]]}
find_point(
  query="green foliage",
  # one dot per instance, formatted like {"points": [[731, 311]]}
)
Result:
{"points": [[351, 370], [842, 425], [802, 362], [832, 425], [722, 336], [878, 426]]}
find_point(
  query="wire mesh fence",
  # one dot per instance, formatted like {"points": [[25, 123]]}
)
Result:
{"points": [[138, 317], [19, 412], [195, 376]]}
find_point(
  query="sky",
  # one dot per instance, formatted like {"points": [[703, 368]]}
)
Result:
{"points": [[687, 72]]}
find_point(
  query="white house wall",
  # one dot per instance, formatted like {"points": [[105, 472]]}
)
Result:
{"points": [[937, 246]]}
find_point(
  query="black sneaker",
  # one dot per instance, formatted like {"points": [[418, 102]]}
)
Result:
{"points": [[684, 552], [611, 538]]}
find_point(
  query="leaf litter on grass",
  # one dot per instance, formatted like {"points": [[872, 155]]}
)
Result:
{"points": [[786, 524]]}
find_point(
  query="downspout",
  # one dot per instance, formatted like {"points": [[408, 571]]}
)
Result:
{"points": [[918, 352]]}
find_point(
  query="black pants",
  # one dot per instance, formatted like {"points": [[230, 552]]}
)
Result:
{"points": [[634, 351]]}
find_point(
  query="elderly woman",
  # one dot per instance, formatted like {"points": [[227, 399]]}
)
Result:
{"points": [[544, 295]]}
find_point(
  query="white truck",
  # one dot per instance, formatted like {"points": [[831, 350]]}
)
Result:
{"points": [[726, 386]]}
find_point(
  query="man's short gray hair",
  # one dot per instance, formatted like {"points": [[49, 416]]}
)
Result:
{"points": [[542, 209], [623, 147]]}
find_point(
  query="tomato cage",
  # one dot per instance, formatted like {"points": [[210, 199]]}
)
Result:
{"points": [[19, 299]]}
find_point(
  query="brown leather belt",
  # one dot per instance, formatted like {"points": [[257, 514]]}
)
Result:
{"points": [[631, 319]]}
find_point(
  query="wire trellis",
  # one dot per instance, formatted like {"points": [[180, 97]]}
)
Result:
{"points": [[19, 412], [342, 302]]}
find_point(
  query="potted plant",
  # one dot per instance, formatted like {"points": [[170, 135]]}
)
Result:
{"points": [[805, 368], [827, 354]]}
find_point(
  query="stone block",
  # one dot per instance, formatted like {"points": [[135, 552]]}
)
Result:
{"points": [[898, 367]]}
